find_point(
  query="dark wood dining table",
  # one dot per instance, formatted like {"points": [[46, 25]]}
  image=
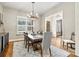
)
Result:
{"points": [[35, 39]]}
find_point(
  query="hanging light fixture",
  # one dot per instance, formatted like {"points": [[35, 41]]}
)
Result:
{"points": [[33, 15]]}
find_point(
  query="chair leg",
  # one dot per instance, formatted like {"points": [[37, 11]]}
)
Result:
{"points": [[50, 52], [28, 46], [33, 47], [41, 51], [71, 45]]}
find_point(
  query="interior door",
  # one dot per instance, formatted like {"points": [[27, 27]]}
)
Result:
{"points": [[59, 27]]}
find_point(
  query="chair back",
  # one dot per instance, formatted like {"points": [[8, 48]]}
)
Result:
{"points": [[25, 36], [73, 36], [46, 40]]}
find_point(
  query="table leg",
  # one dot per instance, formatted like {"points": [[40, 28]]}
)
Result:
{"points": [[63, 44], [33, 46], [67, 46], [71, 45]]}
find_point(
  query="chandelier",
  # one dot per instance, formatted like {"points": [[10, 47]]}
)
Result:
{"points": [[33, 15]]}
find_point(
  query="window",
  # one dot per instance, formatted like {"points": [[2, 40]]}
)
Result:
{"points": [[23, 25]]}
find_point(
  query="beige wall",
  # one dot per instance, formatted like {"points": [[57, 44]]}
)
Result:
{"points": [[10, 21], [36, 24], [77, 28], [1, 9], [68, 17]]}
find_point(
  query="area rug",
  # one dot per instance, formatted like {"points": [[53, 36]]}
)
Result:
{"points": [[20, 51]]}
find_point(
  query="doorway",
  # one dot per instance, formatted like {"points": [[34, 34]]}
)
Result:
{"points": [[47, 26], [59, 27]]}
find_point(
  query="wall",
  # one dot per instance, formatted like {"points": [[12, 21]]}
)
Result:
{"points": [[36, 24], [10, 21], [68, 24], [77, 28], [52, 19], [1, 9], [68, 19], [1, 12]]}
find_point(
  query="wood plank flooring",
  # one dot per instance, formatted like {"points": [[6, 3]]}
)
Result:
{"points": [[55, 41], [8, 50], [58, 43]]}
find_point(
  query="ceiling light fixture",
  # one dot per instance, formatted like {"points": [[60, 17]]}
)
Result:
{"points": [[33, 15]]}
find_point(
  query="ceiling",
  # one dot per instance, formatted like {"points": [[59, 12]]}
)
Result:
{"points": [[40, 7]]}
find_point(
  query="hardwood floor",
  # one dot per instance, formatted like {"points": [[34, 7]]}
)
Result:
{"points": [[58, 43], [55, 41], [8, 50]]}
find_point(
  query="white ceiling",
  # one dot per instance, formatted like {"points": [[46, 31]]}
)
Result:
{"points": [[40, 7]]}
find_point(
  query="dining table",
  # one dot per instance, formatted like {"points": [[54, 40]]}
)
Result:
{"points": [[35, 39]]}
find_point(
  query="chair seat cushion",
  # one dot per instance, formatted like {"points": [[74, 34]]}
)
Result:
{"points": [[68, 41]]}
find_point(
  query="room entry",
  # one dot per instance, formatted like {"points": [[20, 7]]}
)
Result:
{"points": [[48, 26], [59, 27]]}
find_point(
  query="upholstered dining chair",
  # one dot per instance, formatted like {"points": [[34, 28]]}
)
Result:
{"points": [[71, 41], [46, 42]]}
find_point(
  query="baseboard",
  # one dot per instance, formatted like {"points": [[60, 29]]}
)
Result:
{"points": [[14, 40]]}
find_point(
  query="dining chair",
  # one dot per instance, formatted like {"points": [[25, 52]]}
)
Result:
{"points": [[39, 32], [71, 41], [25, 39], [27, 42], [46, 42]]}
